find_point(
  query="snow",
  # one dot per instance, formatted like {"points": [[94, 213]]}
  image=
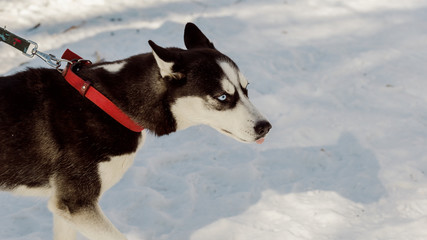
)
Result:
{"points": [[342, 82]]}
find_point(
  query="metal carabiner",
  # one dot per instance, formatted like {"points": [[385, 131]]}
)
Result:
{"points": [[50, 59]]}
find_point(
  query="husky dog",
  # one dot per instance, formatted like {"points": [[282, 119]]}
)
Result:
{"points": [[56, 143]]}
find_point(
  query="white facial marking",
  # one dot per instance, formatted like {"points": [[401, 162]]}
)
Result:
{"points": [[113, 67], [165, 67], [186, 112], [237, 122], [230, 72], [235, 76], [228, 86], [243, 81]]}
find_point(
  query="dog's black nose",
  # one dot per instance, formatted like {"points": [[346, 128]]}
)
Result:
{"points": [[262, 128]]}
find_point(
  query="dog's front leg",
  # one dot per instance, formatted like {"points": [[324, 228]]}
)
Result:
{"points": [[94, 225], [62, 229], [89, 221]]}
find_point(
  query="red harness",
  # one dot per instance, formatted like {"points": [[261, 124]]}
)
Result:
{"points": [[86, 90]]}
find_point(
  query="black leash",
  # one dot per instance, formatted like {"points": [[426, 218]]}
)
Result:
{"points": [[23, 45], [14, 41]]}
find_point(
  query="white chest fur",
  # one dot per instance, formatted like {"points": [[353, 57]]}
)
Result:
{"points": [[112, 171]]}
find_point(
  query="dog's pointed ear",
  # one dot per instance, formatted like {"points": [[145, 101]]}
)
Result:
{"points": [[194, 38], [165, 60]]}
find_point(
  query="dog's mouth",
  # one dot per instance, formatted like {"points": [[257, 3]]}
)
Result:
{"points": [[259, 140], [226, 132]]}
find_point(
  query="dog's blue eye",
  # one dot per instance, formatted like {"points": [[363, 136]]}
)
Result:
{"points": [[222, 97]]}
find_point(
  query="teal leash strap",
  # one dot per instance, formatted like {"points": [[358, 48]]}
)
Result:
{"points": [[14, 40]]}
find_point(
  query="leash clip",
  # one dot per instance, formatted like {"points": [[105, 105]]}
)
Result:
{"points": [[50, 59]]}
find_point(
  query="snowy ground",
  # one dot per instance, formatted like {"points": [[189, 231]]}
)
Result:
{"points": [[343, 83]]}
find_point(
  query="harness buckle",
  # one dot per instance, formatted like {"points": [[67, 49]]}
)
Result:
{"points": [[74, 66]]}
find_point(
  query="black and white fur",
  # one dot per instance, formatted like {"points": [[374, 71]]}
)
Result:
{"points": [[55, 143]]}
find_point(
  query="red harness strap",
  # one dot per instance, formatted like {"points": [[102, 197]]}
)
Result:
{"points": [[86, 90]]}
